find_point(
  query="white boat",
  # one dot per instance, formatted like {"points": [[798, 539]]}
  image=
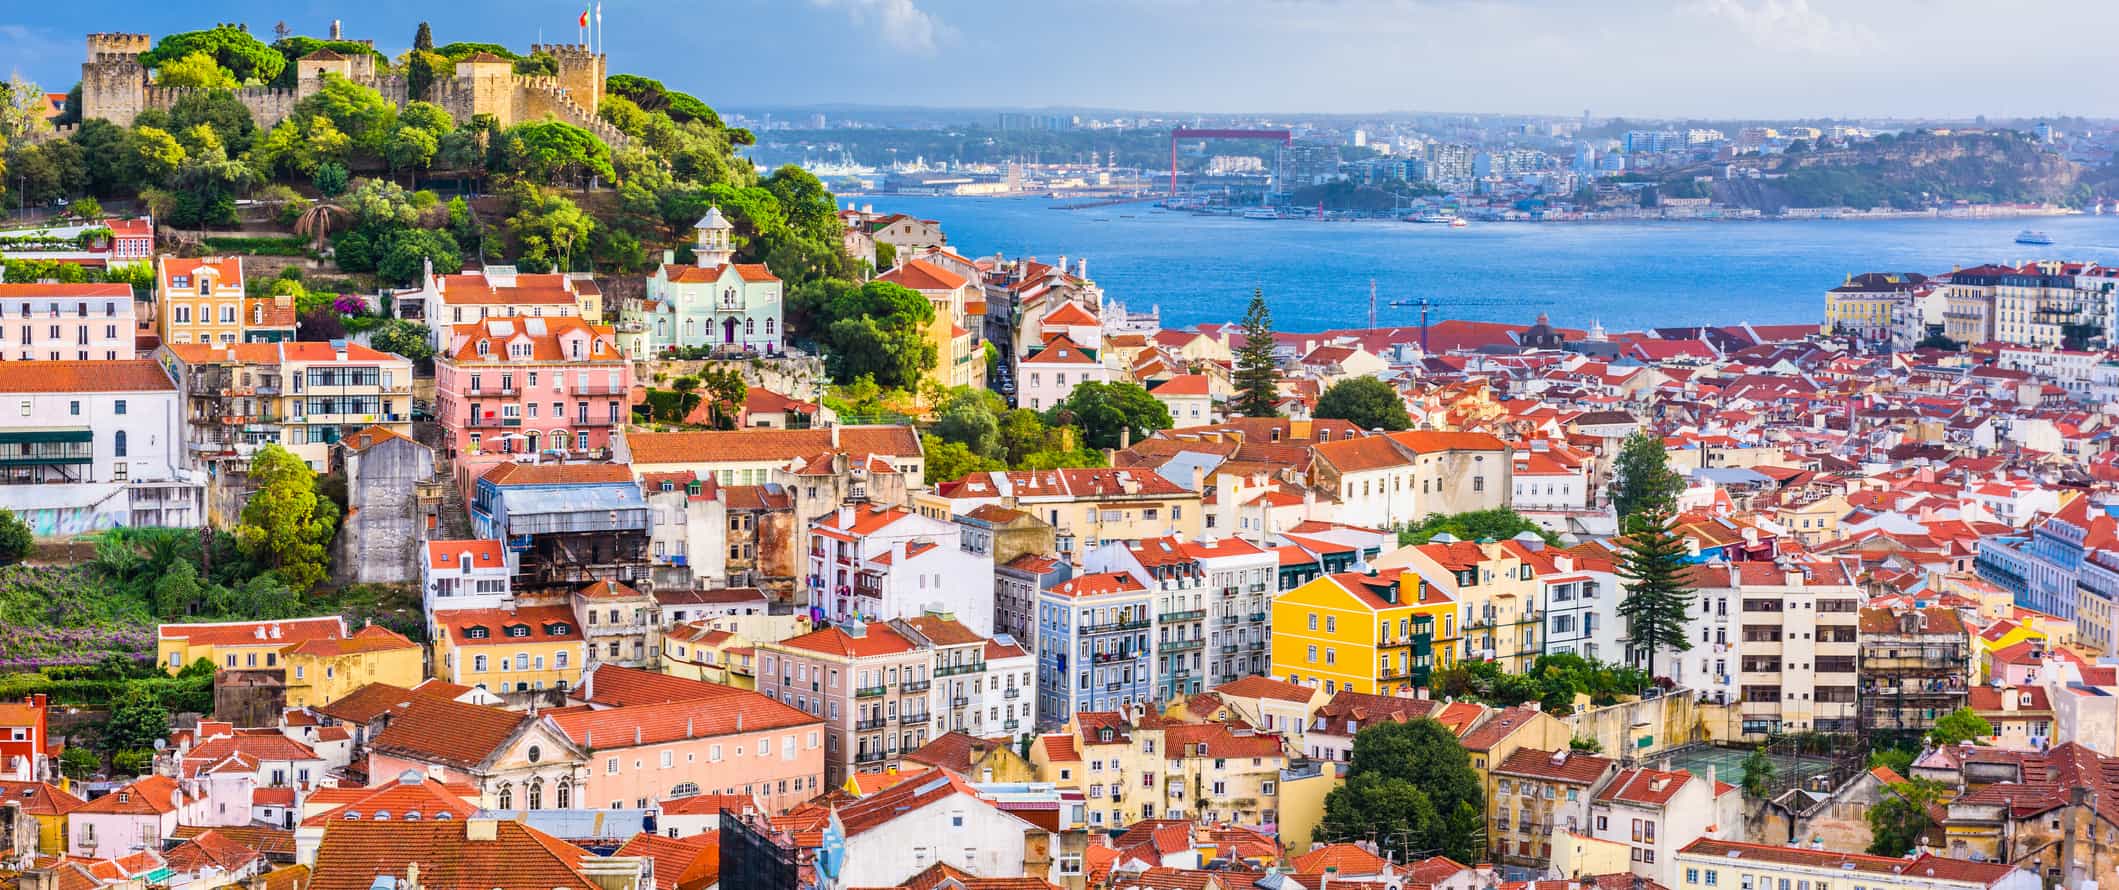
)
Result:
{"points": [[1261, 213], [2033, 236], [1432, 218], [1458, 222]]}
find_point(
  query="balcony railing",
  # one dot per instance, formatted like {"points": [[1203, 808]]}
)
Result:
{"points": [[1187, 615], [876, 723], [493, 421], [959, 701], [1256, 617], [1228, 648], [1115, 626], [869, 691], [1182, 645], [1010, 725], [951, 670], [870, 757], [1012, 693], [915, 686]]}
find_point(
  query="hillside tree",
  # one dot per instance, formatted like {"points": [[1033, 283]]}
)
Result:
{"points": [[1366, 402], [287, 525], [1411, 790], [1642, 478], [1655, 572], [1257, 374]]}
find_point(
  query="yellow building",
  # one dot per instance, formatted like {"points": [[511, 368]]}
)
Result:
{"points": [[1864, 306], [1365, 633], [1813, 523], [1155, 768], [323, 671], [960, 357], [199, 300], [48, 804], [696, 651], [1495, 587], [240, 645], [1999, 635], [537, 647]]}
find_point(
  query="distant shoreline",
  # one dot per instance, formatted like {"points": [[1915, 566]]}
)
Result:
{"points": [[1973, 213]]}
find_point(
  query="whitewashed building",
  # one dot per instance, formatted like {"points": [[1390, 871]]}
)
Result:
{"points": [[87, 446]]}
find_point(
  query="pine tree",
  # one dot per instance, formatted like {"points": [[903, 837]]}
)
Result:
{"points": [[1257, 375], [424, 39], [1652, 565], [1642, 478]]}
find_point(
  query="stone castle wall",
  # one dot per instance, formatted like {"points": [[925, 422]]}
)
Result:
{"points": [[115, 87]]}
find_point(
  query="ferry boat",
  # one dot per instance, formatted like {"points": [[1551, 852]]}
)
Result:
{"points": [[2033, 236], [1433, 218], [1261, 213], [1457, 222]]}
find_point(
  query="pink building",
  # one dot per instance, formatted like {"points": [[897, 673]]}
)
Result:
{"points": [[135, 818], [70, 322], [522, 385], [734, 740]]}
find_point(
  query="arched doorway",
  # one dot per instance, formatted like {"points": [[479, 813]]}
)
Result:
{"points": [[728, 330], [530, 441]]}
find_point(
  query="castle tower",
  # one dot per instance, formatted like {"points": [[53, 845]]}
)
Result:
{"points": [[581, 73], [714, 247], [113, 82]]}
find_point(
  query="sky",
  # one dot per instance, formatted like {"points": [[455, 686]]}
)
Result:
{"points": [[1711, 59]]}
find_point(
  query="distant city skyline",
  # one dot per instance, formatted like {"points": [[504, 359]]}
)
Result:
{"points": [[1703, 59]]}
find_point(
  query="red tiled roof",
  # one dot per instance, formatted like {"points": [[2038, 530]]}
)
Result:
{"points": [[353, 854], [921, 275], [450, 733], [481, 554], [256, 633], [123, 375], [514, 473], [545, 624], [1646, 787], [760, 445], [878, 639]]}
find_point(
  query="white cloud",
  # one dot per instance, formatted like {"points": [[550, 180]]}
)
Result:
{"points": [[901, 23], [1788, 25]]}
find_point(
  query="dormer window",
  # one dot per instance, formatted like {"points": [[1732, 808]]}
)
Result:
{"points": [[485, 348], [558, 629], [476, 632], [518, 630]]}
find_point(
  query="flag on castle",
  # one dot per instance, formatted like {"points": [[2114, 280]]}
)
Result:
{"points": [[584, 17]]}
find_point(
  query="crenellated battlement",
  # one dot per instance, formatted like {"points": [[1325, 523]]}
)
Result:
{"points": [[118, 44], [115, 87]]}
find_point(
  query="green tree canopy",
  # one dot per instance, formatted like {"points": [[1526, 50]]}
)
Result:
{"points": [[1759, 773], [555, 151], [1366, 402], [245, 57], [878, 329], [196, 71], [409, 339], [1642, 478], [1499, 524], [1410, 789], [287, 525], [1109, 414], [1961, 725], [1900, 818], [137, 720], [651, 95], [16, 539]]}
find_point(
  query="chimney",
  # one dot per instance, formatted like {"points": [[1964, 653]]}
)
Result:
{"points": [[834, 435], [669, 257], [845, 516]]}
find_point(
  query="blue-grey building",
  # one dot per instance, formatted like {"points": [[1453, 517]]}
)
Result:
{"points": [[1093, 652], [564, 525]]}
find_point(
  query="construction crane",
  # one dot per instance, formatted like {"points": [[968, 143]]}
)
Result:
{"points": [[1426, 304]]}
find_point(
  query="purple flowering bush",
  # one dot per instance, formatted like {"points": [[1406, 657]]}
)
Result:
{"points": [[63, 616]]}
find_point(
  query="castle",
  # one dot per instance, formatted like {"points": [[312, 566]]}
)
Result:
{"points": [[115, 86]]}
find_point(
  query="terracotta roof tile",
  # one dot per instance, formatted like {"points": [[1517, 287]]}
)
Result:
{"points": [[123, 375]]}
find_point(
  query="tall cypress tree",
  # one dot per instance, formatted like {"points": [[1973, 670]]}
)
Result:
{"points": [[1257, 375], [1652, 564], [423, 39]]}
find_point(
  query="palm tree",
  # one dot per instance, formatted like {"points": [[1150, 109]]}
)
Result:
{"points": [[318, 221]]}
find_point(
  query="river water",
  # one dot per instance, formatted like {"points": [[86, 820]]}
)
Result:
{"points": [[1626, 275]]}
